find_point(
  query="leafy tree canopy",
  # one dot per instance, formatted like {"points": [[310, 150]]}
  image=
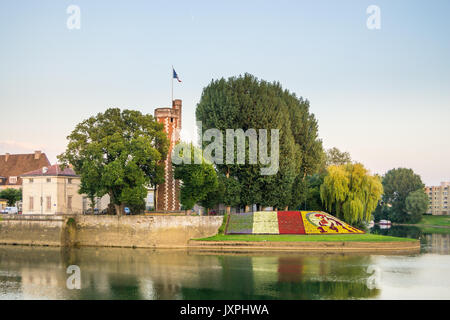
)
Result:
{"points": [[197, 179], [398, 184], [416, 205], [351, 192], [119, 153], [12, 195], [245, 102]]}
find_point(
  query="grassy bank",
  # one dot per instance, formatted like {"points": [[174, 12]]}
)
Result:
{"points": [[442, 221], [306, 238], [435, 230]]}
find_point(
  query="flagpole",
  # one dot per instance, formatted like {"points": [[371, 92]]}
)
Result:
{"points": [[171, 102]]}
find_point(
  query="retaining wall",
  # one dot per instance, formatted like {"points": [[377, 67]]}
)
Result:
{"points": [[106, 231]]}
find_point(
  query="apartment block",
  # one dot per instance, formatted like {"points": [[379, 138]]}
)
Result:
{"points": [[439, 199]]}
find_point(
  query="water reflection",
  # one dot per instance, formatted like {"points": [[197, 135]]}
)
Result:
{"points": [[107, 273], [436, 240], [40, 273]]}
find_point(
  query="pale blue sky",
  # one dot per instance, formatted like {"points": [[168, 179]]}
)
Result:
{"points": [[383, 95]]}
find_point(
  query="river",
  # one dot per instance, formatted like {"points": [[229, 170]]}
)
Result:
{"points": [[115, 273]]}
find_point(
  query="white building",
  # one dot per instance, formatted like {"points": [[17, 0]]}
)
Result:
{"points": [[51, 190]]}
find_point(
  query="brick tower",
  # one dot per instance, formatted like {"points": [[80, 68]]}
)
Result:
{"points": [[168, 193]]}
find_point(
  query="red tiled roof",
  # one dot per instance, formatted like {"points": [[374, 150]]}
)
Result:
{"points": [[14, 165], [54, 170]]}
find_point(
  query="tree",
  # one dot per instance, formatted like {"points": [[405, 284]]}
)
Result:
{"points": [[336, 157], [245, 102], [313, 200], [12, 195], [350, 192], [197, 179], [398, 184], [227, 193], [309, 149], [416, 205], [119, 153]]}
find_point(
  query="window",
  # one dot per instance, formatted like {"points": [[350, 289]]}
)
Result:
{"points": [[31, 180], [49, 180], [69, 181], [31, 204], [12, 180], [49, 203], [69, 202]]}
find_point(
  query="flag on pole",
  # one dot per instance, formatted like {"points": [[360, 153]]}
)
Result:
{"points": [[175, 75]]}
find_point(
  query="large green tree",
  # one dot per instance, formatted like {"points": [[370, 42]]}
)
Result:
{"points": [[227, 192], [245, 102], [12, 195], [398, 184], [119, 153], [351, 192], [197, 180], [416, 204]]}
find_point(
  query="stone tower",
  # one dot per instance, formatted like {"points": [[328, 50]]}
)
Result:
{"points": [[168, 193]]}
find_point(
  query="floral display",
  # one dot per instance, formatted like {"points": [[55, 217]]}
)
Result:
{"points": [[324, 223], [265, 223], [287, 222], [241, 223], [290, 222]]}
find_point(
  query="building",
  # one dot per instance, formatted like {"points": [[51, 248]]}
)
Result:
{"points": [[168, 193], [50, 190], [439, 199], [12, 166], [101, 204]]}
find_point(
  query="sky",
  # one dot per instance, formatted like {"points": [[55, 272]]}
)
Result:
{"points": [[383, 94]]}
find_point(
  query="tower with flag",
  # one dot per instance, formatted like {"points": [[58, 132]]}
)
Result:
{"points": [[168, 193]]}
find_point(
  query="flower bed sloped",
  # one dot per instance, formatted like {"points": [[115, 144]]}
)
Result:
{"points": [[287, 222]]}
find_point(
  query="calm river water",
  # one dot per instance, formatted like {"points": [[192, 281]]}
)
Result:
{"points": [[106, 273]]}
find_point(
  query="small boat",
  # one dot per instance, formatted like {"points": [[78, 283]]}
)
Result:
{"points": [[385, 222]]}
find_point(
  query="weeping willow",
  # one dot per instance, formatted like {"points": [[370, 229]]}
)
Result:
{"points": [[351, 192]]}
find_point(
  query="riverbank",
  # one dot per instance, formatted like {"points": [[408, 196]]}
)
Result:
{"points": [[158, 232], [308, 243], [366, 237], [430, 224], [106, 231]]}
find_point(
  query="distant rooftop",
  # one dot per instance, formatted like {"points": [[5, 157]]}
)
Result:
{"points": [[54, 170], [14, 165]]}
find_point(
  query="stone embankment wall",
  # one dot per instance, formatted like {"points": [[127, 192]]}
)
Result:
{"points": [[106, 231]]}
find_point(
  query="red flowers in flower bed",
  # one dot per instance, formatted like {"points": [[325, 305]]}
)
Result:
{"points": [[290, 222]]}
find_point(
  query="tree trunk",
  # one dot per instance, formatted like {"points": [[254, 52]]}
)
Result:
{"points": [[247, 209], [228, 209], [119, 209], [286, 208]]}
